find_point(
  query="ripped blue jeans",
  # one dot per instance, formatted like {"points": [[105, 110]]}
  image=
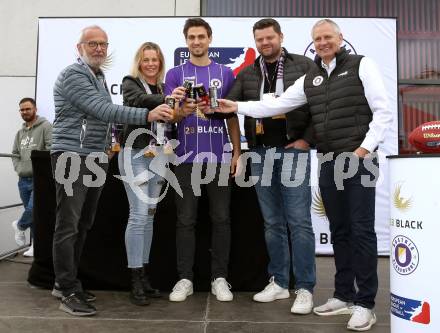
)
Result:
{"points": [[139, 232]]}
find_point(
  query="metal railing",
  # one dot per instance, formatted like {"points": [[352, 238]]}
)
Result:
{"points": [[13, 205], [9, 155], [12, 251]]}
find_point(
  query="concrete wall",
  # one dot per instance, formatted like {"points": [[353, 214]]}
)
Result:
{"points": [[19, 26]]}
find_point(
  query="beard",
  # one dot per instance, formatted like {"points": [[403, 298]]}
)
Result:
{"points": [[29, 117], [94, 62], [271, 53]]}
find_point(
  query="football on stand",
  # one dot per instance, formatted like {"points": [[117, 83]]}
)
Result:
{"points": [[426, 137]]}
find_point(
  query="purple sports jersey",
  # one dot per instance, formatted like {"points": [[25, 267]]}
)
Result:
{"points": [[196, 133]]}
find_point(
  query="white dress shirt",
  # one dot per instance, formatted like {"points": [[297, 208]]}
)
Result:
{"points": [[295, 97]]}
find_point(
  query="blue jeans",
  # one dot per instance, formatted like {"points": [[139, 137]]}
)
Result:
{"points": [[286, 211], [139, 232], [26, 189]]}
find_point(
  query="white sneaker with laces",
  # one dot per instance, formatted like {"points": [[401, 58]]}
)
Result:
{"points": [[271, 292], [303, 303], [29, 252], [20, 237], [181, 290], [221, 289], [333, 307], [362, 319]]}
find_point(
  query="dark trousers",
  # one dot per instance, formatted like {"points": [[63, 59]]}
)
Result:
{"points": [[75, 215], [351, 213], [219, 202]]}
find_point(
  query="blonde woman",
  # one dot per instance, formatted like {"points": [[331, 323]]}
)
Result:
{"points": [[143, 89]]}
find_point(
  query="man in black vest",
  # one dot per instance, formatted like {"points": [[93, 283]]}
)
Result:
{"points": [[281, 141], [350, 117]]}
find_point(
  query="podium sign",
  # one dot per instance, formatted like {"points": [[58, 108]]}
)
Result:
{"points": [[414, 243]]}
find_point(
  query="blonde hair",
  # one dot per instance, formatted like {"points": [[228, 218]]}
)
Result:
{"points": [[135, 68]]}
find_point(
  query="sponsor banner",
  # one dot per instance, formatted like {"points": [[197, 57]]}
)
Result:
{"points": [[410, 309], [234, 46], [414, 271]]}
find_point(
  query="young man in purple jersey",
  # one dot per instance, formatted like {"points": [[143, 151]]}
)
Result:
{"points": [[204, 146]]}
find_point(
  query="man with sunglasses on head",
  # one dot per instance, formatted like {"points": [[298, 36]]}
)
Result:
{"points": [[35, 134], [83, 115]]}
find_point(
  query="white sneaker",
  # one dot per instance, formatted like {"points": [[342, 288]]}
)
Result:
{"points": [[332, 307], [271, 292], [181, 290], [221, 289], [303, 303], [29, 252], [362, 319], [20, 237]]}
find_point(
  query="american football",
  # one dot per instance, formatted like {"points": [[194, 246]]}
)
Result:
{"points": [[426, 137]]}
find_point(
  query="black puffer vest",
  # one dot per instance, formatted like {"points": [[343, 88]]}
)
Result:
{"points": [[339, 109]]}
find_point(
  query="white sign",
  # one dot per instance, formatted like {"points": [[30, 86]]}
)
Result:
{"points": [[233, 45], [414, 270]]}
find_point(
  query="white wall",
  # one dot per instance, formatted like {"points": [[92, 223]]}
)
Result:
{"points": [[19, 27]]}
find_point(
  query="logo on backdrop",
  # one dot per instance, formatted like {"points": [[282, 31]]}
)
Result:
{"points": [[410, 309], [402, 203], [405, 256], [318, 205], [311, 52], [236, 58]]}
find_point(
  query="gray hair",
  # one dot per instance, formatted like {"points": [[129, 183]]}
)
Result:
{"points": [[84, 30], [331, 22]]}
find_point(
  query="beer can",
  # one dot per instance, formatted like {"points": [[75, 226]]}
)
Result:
{"points": [[201, 93], [200, 90], [170, 101], [213, 97], [188, 89]]}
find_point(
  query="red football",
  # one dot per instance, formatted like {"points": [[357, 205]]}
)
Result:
{"points": [[426, 137]]}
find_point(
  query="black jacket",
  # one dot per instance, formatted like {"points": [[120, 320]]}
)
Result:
{"points": [[134, 94], [247, 88]]}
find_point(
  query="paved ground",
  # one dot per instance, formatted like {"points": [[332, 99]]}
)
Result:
{"points": [[25, 309]]}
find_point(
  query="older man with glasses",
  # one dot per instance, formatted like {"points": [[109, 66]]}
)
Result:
{"points": [[83, 113]]}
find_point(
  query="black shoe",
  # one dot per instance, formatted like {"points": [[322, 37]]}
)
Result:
{"points": [[76, 305], [148, 289], [137, 294], [87, 295]]}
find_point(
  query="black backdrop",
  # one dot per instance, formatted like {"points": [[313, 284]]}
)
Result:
{"points": [[104, 262]]}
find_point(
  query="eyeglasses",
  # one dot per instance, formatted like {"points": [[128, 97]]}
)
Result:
{"points": [[94, 45], [25, 110]]}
